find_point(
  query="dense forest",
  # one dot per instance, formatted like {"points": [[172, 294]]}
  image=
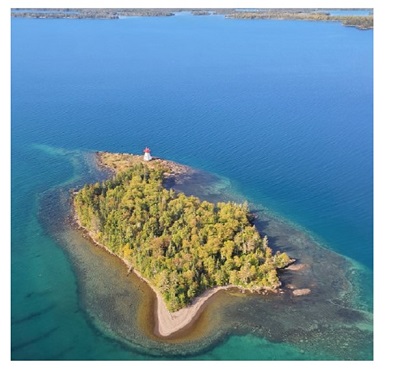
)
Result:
{"points": [[180, 244]]}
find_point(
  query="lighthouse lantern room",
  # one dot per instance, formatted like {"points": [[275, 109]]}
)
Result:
{"points": [[147, 155]]}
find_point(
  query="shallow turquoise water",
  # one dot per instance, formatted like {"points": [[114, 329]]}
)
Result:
{"points": [[281, 110]]}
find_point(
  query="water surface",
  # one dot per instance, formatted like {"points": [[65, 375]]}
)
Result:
{"points": [[280, 112]]}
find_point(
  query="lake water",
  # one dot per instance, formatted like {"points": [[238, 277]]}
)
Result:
{"points": [[279, 112]]}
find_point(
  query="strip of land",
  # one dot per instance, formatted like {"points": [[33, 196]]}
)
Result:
{"points": [[168, 323], [307, 14]]}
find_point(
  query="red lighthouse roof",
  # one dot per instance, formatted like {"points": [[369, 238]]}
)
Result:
{"points": [[147, 150]]}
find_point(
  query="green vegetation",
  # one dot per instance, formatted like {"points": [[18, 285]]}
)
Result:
{"points": [[182, 245]]}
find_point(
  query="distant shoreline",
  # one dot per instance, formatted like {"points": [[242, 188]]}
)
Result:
{"points": [[362, 22]]}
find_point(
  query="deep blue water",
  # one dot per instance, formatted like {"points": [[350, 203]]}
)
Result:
{"points": [[282, 109]]}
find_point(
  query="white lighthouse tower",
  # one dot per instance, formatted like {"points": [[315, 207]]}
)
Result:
{"points": [[147, 155]]}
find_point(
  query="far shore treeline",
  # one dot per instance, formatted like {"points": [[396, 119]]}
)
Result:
{"points": [[307, 14], [180, 244]]}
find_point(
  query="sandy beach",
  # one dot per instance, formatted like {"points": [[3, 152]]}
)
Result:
{"points": [[168, 323]]}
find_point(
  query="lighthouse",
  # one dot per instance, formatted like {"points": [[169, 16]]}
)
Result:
{"points": [[147, 155]]}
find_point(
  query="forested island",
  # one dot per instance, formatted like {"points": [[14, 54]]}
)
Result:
{"points": [[309, 14], [180, 245]]}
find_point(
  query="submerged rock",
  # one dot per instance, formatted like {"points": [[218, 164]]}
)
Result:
{"points": [[299, 292]]}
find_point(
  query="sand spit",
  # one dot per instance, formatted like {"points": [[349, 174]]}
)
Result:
{"points": [[168, 323]]}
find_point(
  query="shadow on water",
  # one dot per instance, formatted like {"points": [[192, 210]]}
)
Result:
{"points": [[33, 315], [34, 340], [331, 322]]}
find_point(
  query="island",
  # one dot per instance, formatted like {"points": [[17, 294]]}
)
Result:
{"points": [[186, 249]]}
